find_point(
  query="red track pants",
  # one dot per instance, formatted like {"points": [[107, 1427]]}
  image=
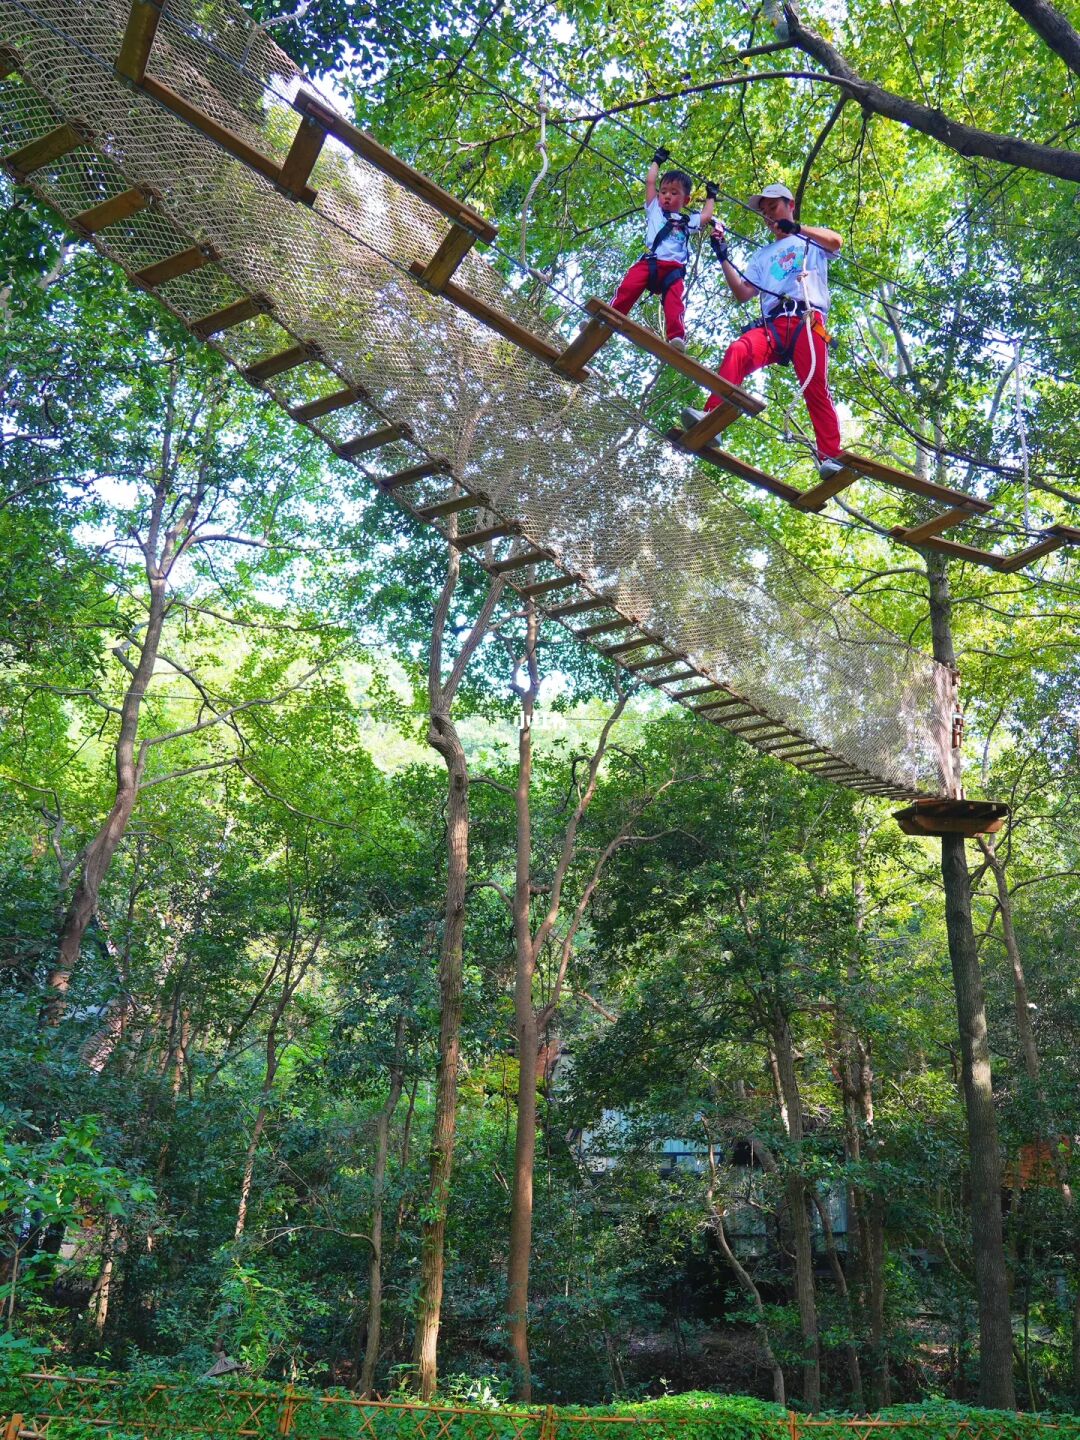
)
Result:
{"points": [[633, 286], [755, 349]]}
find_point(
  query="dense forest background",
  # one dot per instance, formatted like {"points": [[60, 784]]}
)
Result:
{"points": [[392, 992]]}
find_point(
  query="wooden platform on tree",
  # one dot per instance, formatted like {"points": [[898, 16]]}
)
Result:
{"points": [[952, 817]]}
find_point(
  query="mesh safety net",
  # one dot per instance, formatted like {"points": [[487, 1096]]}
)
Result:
{"points": [[569, 474]]}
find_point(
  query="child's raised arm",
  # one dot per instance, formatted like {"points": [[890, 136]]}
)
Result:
{"points": [[653, 173], [712, 190]]}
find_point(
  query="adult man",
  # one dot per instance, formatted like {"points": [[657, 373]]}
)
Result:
{"points": [[791, 278]]}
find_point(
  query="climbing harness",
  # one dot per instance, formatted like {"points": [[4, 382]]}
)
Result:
{"points": [[660, 285]]}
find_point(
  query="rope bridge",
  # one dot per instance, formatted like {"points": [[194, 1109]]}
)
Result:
{"points": [[192, 152]]}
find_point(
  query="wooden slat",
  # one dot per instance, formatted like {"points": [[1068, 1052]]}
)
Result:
{"points": [[709, 689], [221, 135], [916, 534], [715, 420], [518, 562], [645, 339], [45, 150], [675, 679], [276, 364], [494, 319], [582, 348], [734, 466], [111, 212], [638, 666], [364, 444], [298, 164], [385, 160], [448, 257], [817, 497], [10, 63], [756, 725], [138, 40], [225, 319], [734, 709], [1052, 539], [964, 552], [414, 474], [603, 628], [327, 404], [578, 607], [889, 475], [451, 507], [171, 268], [628, 645], [545, 587], [484, 537]]}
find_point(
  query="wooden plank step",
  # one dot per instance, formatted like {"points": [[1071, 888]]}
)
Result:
{"points": [[582, 348], [674, 679], [452, 506], [578, 607], [627, 645], [732, 710], [709, 427], [669, 657], [45, 150], [890, 475], [546, 587], [965, 552], [364, 444], [1052, 539], [171, 268], [484, 537], [916, 534], [708, 689], [327, 404], [138, 41], [448, 257], [518, 562], [230, 315], [603, 628], [723, 460], [385, 160], [494, 319], [820, 494], [298, 164], [645, 339], [276, 364], [221, 135], [413, 475], [111, 212]]}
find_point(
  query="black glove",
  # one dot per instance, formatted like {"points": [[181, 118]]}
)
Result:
{"points": [[661, 155], [719, 248], [712, 190], [789, 227]]}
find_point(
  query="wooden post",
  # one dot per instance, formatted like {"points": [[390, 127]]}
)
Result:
{"points": [[288, 1411], [12, 1428], [138, 40], [793, 1425]]}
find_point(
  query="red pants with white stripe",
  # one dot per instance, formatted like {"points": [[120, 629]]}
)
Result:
{"points": [[756, 349], [634, 284]]}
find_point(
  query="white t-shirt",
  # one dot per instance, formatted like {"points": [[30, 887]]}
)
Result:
{"points": [[675, 246], [777, 270]]}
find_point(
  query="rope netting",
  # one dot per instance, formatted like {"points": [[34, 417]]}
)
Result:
{"points": [[577, 470]]}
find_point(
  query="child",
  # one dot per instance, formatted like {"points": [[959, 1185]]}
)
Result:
{"points": [[662, 269], [790, 277]]}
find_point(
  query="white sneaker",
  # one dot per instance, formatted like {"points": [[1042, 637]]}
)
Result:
{"points": [[690, 417], [828, 468], [679, 343]]}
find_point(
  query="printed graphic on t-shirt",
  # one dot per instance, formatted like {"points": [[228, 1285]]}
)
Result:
{"points": [[778, 270]]}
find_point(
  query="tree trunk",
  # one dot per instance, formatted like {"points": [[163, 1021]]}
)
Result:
{"points": [[796, 1193], [382, 1152], [996, 1387], [100, 852], [521, 1204], [256, 1135]]}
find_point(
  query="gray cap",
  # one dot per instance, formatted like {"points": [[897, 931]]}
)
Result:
{"points": [[770, 192]]}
